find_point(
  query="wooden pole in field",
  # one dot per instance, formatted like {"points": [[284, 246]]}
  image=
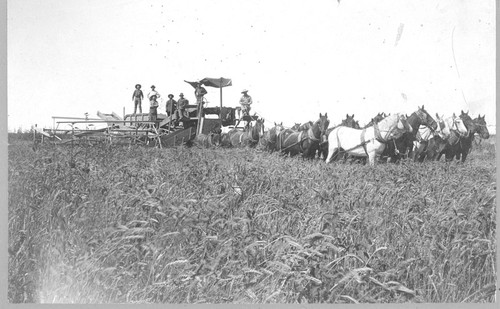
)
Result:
{"points": [[171, 115], [199, 126]]}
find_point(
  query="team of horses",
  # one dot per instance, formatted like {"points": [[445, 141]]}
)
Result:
{"points": [[419, 137]]}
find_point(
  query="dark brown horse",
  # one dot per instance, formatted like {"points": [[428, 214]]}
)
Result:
{"points": [[305, 142], [212, 139], [403, 146], [305, 126], [461, 149], [430, 143], [482, 127], [268, 141], [249, 137], [375, 119], [347, 122]]}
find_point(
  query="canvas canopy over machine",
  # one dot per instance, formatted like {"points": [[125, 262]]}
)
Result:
{"points": [[165, 131]]}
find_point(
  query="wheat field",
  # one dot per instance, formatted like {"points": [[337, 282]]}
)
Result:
{"points": [[129, 224]]}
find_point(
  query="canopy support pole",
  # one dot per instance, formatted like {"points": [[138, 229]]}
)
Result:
{"points": [[220, 111]]}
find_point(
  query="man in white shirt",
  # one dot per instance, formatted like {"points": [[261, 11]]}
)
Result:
{"points": [[153, 92], [245, 102]]}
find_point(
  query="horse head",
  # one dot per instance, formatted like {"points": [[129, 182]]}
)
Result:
{"points": [[305, 126], [425, 118], [482, 127], [458, 125], [216, 138], [379, 117], [323, 123], [278, 127], [442, 129], [468, 122], [259, 128], [350, 122], [296, 126]]}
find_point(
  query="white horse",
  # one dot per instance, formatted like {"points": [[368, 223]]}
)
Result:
{"points": [[368, 142], [444, 130], [449, 131]]}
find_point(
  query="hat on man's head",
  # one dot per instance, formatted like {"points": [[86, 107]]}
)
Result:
{"points": [[170, 95], [244, 91], [153, 86], [181, 95], [138, 85]]}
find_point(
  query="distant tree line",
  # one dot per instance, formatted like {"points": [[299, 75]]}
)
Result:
{"points": [[21, 135]]}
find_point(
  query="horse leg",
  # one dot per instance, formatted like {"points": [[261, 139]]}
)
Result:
{"points": [[307, 150], [464, 155], [418, 153], [305, 154], [421, 155], [325, 153], [332, 152], [429, 154], [439, 149], [411, 153], [440, 154], [371, 158], [448, 155]]}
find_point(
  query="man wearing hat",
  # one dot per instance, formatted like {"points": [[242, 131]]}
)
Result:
{"points": [[199, 92], [137, 97], [245, 102], [181, 106], [153, 92], [153, 108], [171, 105]]}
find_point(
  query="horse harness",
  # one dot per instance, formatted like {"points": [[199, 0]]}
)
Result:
{"points": [[299, 140], [378, 137]]}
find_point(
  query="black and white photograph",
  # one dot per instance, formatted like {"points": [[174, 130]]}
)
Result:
{"points": [[251, 152]]}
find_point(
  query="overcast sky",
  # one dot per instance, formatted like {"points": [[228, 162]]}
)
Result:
{"points": [[297, 58]]}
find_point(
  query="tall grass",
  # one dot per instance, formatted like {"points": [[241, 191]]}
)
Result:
{"points": [[101, 224]]}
